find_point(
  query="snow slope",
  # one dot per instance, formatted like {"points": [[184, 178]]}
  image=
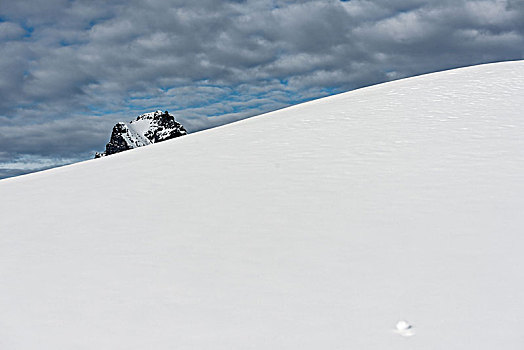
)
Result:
{"points": [[320, 226]]}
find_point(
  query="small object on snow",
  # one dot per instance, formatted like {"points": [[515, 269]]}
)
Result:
{"points": [[404, 328]]}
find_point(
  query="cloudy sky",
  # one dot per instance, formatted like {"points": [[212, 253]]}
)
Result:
{"points": [[70, 69]]}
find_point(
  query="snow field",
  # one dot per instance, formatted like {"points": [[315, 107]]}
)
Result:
{"points": [[318, 226]]}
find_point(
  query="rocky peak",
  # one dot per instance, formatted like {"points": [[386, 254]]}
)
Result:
{"points": [[146, 129]]}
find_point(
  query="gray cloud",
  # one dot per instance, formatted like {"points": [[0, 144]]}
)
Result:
{"points": [[71, 68]]}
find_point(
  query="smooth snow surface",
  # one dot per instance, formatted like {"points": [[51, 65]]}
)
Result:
{"points": [[319, 226]]}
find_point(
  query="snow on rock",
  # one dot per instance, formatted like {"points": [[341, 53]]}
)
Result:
{"points": [[146, 129], [311, 227]]}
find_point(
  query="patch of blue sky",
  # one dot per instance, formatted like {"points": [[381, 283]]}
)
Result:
{"points": [[28, 29], [27, 106], [69, 43], [330, 90], [96, 21], [141, 98]]}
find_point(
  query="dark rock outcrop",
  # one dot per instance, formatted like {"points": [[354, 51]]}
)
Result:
{"points": [[144, 130]]}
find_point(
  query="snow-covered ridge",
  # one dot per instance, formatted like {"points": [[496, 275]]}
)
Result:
{"points": [[146, 129], [384, 218]]}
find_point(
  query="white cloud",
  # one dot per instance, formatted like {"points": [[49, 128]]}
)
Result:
{"points": [[10, 31]]}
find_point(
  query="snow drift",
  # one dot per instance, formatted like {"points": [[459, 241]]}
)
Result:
{"points": [[321, 226]]}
